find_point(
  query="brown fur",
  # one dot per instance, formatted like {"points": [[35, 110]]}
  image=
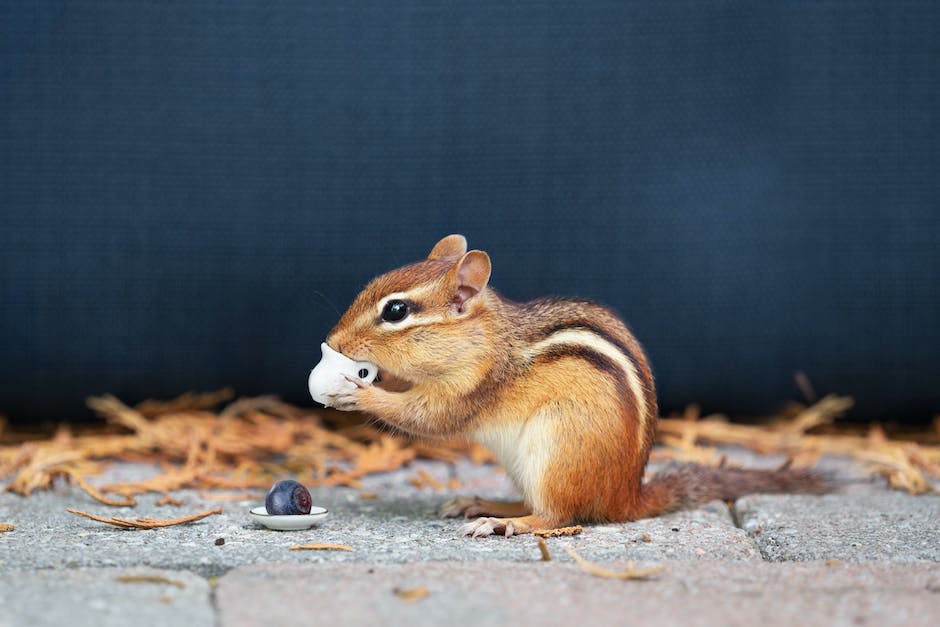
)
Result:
{"points": [[688, 485], [465, 363]]}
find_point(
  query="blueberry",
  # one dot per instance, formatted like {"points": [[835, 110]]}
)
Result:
{"points": [[288, 497]]}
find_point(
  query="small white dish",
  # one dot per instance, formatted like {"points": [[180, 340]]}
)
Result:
{"points": [[293, 522]]}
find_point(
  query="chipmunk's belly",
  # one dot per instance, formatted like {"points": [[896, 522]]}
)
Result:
{"points": [[525, 452]]}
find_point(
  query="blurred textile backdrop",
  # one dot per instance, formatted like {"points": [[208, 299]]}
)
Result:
{"points": [[186, 186]]}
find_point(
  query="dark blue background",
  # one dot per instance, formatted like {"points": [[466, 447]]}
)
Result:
{"points": [[754, 186]]}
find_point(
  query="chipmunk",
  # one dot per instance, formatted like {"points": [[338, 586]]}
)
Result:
{"points": [[559, 390]]}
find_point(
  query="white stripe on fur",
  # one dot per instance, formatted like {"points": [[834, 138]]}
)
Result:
{"points": [[594, 342]]}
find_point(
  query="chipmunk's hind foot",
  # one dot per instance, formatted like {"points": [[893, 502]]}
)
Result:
{"points": [[505, 526]]}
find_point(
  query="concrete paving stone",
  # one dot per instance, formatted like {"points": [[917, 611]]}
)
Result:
{"points": [[860, 524], [97, 598], [399, 526], [56, 568], [559, 593]]}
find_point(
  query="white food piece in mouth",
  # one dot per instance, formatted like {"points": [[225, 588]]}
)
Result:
{"points": [[329, 376]]}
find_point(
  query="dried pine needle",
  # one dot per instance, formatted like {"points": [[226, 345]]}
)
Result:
{"points": [[321, 547], [93, 492], [600, 571], [169, 500], [117, 522], [244, 496], [184, 402], [146, 523], [411, 594], [425, 480], [4, 527], [543, 549], [149, 579]]}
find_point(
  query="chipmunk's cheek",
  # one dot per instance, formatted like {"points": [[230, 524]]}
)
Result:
{"points": [[391, 383]]}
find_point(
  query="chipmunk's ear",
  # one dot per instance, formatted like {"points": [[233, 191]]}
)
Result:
{"points": [[470, 276], [451, 247]]}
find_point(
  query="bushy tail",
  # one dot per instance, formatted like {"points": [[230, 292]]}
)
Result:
{"points": [[689, 485]]}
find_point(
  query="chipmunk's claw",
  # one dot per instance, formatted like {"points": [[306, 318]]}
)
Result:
{"points": [[359, 383], [348, 399], [482, 527]]}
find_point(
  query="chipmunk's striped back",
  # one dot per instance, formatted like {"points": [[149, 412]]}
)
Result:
{"points": [[593, 333]]}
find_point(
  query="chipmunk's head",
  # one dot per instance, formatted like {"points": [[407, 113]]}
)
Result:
{"points": [[417, 322]]}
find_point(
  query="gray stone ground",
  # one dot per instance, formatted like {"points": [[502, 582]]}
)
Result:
{"points": [[865, 555]]}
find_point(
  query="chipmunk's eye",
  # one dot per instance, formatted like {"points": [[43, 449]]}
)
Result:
{"points": [[395, 311]]}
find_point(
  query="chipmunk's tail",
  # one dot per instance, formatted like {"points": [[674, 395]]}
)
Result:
{"points": [[689, 485]]}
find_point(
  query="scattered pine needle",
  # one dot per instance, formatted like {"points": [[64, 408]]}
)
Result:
{"points": [[247, 445], [244, 496], [146, 523], [907, 465], [425, 480], [600, 571], [560, 531], [150, 579], [250, 443], [411, 594], [805, 386], [321, 547], [169, 500], [186, 402], [4, 527], [543, 549], [128, 501]]}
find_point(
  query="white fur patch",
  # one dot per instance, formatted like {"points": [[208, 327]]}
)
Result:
{"points": [[524, 449]]}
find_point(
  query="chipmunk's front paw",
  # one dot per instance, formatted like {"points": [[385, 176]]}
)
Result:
{"points": [[346, 400], [352, 398]]}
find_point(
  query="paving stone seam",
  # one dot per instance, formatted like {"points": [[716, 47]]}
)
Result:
{"points": [[214, 598], [736, 521], [735, 518]]}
